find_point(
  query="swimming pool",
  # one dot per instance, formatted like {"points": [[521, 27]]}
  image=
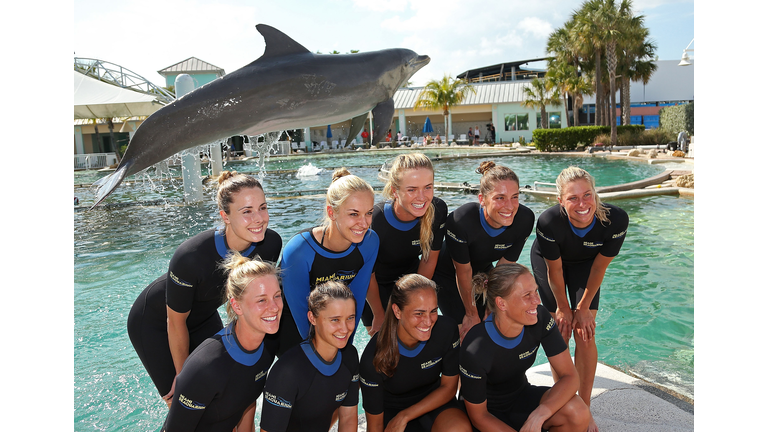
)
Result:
{"points": [[645, 322]]}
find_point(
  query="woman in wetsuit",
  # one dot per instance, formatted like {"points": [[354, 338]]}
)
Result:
{"points": [[409, 372], [178, 311], [318, 377], [477, 235], [575, 242], [343, 248], [222, 378], [412, 220], [496, 354]]}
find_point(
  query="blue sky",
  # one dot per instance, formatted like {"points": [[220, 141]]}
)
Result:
{"points": [[148, 35]]}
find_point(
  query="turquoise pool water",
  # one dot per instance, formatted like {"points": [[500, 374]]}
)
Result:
{"points": [[645, 322]]}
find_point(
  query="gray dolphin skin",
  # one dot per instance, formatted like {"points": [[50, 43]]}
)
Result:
{"points": [[288, 87]]}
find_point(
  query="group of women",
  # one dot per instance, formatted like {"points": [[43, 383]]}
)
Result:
{"points": [[391, 264]]}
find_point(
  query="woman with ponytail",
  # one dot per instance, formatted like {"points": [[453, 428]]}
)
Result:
{"points": [[222, 378], [409, 372], [412, 220], [343, 249], [179, 310], [477, 235], [496, 355]]}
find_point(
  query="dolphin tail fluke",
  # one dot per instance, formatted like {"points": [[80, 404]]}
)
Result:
{"points": [[356, 126], [382, 119], [108, 184]]}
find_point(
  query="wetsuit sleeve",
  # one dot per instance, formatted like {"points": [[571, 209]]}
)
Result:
{"points": [[552, 341], [369, 249], [616, 234], [545, 235], [353, 364], [524, 225], [269, 249], [195, 389], [457, 241], [438, 224], [451, 358], [294, 270], [280, 393], [183, 277], [371, 382], [472, 372]]}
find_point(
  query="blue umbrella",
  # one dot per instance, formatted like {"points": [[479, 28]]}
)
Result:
{"points": [[328, 134], [427, 126]]}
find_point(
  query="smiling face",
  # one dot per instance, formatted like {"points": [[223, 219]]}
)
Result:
{"points": [[259, 307], [417, 318], [333, 324], [578, 200], [351, 220], [247, 220], [500, 205], [520, 304], [414, 195]]}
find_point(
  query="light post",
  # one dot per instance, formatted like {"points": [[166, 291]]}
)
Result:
{"points": [[685, 60]]}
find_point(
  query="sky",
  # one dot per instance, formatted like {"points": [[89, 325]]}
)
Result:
{"points": [[148, 35]]}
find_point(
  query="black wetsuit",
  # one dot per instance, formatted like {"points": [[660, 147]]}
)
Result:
{"points": [[419, 371], [303, 390], [195, 284], [493, 367], [557, 238], [469, 239], [219, 381], [400, 252], [305, 264]]}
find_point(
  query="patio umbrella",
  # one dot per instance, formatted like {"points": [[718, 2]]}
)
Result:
{"points": [[329, 134], [427, 126]]}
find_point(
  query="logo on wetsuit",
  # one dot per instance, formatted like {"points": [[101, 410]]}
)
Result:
{"points": [[189, 403], [340, 397], [341, 275], [592, 244], [529, 353], [178, 281], [431, 363], [368, 383], [277, 400], [540, 234], [621, 234], [453, 236], [260, 375], [502, 246], [467, 374]]}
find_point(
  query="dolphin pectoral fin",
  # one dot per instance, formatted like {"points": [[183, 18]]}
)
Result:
{"points": [[356, 126], [382, 119], [108, 184], [278, 43]]}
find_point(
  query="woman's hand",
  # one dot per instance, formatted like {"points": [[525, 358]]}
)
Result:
{"points": [[169, 397], [397, 424], [564, 321], [584, 324], [378, 320], [467, 323]]}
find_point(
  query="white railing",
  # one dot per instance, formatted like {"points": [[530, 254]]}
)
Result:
{"points": [[94, 160]]}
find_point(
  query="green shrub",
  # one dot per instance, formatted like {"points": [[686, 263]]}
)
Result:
{"points": [[677, 118], [567, 139]]}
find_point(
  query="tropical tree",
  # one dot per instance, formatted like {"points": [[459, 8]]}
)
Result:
{"points": [[635, 62], [562, 76], [539, 94], [443, 95]]}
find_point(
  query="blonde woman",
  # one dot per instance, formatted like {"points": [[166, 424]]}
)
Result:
{"points": [[343, 248], [412, 219], [222, 378], [576, 240], [178, 311]]}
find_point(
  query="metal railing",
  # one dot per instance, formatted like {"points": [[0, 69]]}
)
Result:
{"points": [[94, 160]]}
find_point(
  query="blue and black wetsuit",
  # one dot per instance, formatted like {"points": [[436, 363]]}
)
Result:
{"points": [[419, 372], [194, 283], [303, 390], [493, 367], [305, 264], [469, 239], [400, 254], [557, 238], [218, 382]]}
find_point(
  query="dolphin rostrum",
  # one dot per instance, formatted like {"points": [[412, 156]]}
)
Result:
{"points": [[288, 87]]}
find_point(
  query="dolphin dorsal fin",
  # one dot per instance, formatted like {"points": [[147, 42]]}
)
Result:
{"points": [[278, 43]]}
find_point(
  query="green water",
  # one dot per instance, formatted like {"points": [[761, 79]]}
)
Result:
{"points": [[645, 321]]}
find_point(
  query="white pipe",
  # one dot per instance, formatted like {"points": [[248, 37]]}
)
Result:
{"points": [[190, 166]]}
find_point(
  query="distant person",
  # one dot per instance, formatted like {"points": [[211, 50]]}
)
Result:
{"points": [[342, 248], [389, 136], [179, 310], [471, 136], [576, 240], [493, 133], [399, 137], [478, 234], [318, 377], [496, 354], [477, 135], [365, 136], [409, 371], [222, 378]]}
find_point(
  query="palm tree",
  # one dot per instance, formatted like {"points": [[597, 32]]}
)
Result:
{"points": [[635, 63], [562, 76], [443, 95], [539, 94]]}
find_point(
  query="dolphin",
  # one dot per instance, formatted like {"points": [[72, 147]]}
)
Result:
{"points": [[288, 87]]}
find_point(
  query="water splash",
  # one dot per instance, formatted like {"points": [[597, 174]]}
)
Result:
{"points": [[262, 149]]}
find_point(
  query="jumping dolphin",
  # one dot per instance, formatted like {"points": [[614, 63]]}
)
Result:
{"points": [[288, 87]]}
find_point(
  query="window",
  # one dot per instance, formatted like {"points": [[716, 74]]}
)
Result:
{"points": [[554, 120], [651, 121], [515, 122]]}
